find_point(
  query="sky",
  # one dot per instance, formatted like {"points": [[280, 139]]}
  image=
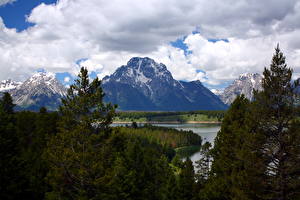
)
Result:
{"points": [[211, 41]]}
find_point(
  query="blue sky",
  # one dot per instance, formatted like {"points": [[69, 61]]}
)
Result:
{"points": [[210, 41], [14, 14]]}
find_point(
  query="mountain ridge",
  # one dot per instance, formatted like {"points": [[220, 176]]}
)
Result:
{"points": [[141, 85]]}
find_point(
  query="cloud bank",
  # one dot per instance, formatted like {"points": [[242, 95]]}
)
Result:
{"points": [[108, 33]]}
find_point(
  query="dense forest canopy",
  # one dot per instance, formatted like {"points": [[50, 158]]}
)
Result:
{"points": [[201, 115]]}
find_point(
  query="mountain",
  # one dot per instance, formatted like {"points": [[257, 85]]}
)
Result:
{"points": [[7, 85], [42, 89], [217, 92], [143, 84], [243, 85]]}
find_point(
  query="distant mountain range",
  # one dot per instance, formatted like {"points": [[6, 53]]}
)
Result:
{"points": [[243, 85], [143, 84], [40, 90]]}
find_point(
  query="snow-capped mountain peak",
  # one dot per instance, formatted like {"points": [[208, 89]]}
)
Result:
{"points": [[141, 71], [243, 85], [42, 76], [45, 79], [41, 89], [143, 84]]}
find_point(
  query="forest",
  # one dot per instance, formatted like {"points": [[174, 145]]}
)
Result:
{"points": [[180, 117], [75, 153]]}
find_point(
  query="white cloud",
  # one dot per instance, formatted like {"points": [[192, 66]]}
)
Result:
{"points": [[3, 2], [225, 61], [67, 79], [109, 33]]}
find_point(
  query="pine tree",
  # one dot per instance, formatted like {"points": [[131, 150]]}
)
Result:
{"points": [[36, 168], [7, 103], [10, 184], [84, 106], [186, 182], [278, 126], [76, 152], [172, 188], [231, 155]]}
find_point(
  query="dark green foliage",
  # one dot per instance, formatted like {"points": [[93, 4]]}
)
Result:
{"points": [[140, 172], [169, 116], [169, 138], [172, 191], [226, 153], [7, 103], [9, 166], [23, 140], [34, 130], [176, 161], [186, 182]]}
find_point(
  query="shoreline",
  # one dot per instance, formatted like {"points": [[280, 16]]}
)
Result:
{"points": [[168, 122]]}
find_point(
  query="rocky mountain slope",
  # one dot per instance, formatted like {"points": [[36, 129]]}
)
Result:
{"points": [[42, 89], [143, 84], [243, 85]]}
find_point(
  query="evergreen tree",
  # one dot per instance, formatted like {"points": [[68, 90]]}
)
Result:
{"points": [[186, 182], [34, 146], [10, 185], [231, 155], [76, 152], [172, 191], [278, 126], [7, 103], [84, 106]]}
